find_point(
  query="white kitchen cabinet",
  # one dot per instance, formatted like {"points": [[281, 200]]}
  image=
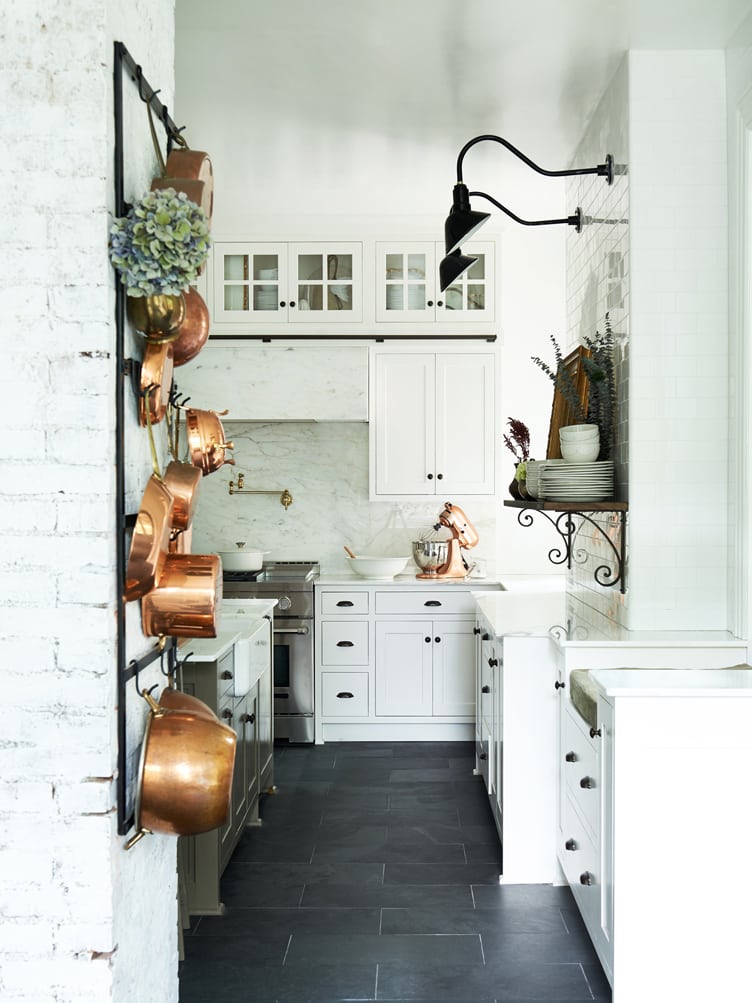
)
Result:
{"points": [[666, 879], [516, 753], [432, 423], [407, 285], [394, 662], [281, 283]]}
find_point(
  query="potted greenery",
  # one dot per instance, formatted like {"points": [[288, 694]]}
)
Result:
{"points": [[159, 249], [598, 364], [518, 443]]}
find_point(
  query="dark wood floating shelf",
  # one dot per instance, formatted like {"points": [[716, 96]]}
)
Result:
{"points": [[569, 506], [565, 526]]}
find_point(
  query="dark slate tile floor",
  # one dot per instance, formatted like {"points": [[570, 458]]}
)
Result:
{"points": [[375, 877]]}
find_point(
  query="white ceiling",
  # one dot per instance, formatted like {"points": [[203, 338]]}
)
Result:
{"points": [[531, 70]]}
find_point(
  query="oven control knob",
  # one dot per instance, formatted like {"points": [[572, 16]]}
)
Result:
{"points": [[284, 603]]}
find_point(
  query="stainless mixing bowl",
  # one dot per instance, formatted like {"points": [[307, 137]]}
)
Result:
{"points": [[430, 554]]}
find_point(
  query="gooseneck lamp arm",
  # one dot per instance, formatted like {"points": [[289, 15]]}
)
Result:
{"points": [[462, 221]]}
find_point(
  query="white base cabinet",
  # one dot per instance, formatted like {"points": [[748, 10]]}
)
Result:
{"points": [[395, 662], [664, 846], [516, 748]]}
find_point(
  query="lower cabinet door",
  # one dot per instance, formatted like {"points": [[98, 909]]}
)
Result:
{"points": [[453, 669], [344, 694], [404, 668]]}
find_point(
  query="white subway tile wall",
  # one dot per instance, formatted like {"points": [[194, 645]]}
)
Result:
{"points": [[663, 280]]}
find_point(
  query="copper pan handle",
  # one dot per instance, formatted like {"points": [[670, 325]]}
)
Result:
{"points": [[152, 444], [137, 837]]}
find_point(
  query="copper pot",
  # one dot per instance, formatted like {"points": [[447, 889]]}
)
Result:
{"points": [[150, 539], [156, 381], [157, 317], [206, 440], [185, 163], [187, 599], [185, 773], [180, 539], [182, 480], [194, 331]]}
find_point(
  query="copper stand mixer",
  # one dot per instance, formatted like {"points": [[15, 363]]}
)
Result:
{"points": [[464, 536]]}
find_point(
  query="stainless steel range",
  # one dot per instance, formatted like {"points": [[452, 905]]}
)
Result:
{"points": [[291, 583]]}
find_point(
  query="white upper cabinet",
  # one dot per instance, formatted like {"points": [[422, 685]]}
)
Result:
{"points": [[407, 285], [270, 283], [431, 423]]}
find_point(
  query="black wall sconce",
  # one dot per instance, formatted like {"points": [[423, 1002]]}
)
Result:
{"points": [[462, 221]]}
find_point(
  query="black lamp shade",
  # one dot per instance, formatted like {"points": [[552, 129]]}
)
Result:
{"points": [[453, 265], [462, 221]]}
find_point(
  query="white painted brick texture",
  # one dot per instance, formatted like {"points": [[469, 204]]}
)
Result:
{"points": [[80, 920]]}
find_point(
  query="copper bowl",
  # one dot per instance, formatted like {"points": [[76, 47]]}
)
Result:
{"points": [[188, 597], [150, 540], [194, 331], [185, 773], [172, 699], [182, 480]]}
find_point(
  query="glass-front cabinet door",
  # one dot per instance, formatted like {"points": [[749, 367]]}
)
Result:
{"points": [[407, 285], [286, 283]]}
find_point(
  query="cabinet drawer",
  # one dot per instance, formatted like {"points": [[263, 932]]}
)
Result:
{"points": [[344, 642], [344, 694], [581, 771], [344, 602], [428, 603], [580, 861]]}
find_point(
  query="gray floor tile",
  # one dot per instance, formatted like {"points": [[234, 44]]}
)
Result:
{"points": [[487, 922], [436, 897], [462, 949], [441, 874], [507, 982], [238, 922]]}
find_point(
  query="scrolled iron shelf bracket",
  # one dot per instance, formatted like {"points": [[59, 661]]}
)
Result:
{"points": [[567, 529]]}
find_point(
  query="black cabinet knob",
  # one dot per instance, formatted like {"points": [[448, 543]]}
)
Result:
{"points": [[483, 756], [559, 685], [439, 477], [428, 640], [486, 637], [292, 302], [595, 732], [437, 640], [587, 783], [586, 878], [571, 757], [570, 844], [485, 689], [476, 630], [227, 714], [439, 302], [429, 303], [493, 662], [226, 674], [283, 303]]}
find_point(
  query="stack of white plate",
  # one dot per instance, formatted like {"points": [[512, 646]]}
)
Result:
{"points": [[577, 481]]}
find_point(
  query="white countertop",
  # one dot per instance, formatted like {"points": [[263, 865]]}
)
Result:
{"points": [[210, 649], [247, 607], [736, 682], [522, 613], [403, 581], [234, 615]]}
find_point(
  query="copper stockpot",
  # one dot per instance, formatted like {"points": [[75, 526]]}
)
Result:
{"points": [[150, 539], [187, 599], [194, 330], [185, 773], [156, 381], [182, 480], [206, 440]]}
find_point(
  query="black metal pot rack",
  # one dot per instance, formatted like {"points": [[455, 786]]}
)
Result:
{"points": [[566, 527], [129, 370]]}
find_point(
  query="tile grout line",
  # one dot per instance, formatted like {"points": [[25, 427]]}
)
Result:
{"points": [[284, 957], [587, 981]]}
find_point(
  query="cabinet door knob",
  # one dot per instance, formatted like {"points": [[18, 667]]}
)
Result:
{"points": [[485, 689], [345, 602], [571, 757], [570, 844], [345, 644], [587, 783], [595, 732], [344, 695], [283, 303], [430, 477], [486, 637], [492, 662], [439, 302], [586, 878], [483, 756], [476, 630], [429, 303], [428, 640], [292, 302], [226, 674], [227, 714], [439, 477], [437, 640], [559, 685], [248, 718]]}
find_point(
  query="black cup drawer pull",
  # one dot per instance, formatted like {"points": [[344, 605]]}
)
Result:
{"points": [[432, 602], [571, 844], [344, 695], [345, 602], [345, 644]]}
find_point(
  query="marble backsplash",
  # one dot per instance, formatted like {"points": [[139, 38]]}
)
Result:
{"points": [[324, 466]]}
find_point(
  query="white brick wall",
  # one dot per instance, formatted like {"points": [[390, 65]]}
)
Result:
{"points": [[80, 920]]}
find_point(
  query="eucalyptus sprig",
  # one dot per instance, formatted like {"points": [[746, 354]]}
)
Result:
{"points": [[161, 245]]}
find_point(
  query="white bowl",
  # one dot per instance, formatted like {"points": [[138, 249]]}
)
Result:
{"points": [[379, 568], [580, 452], [578, 432]]}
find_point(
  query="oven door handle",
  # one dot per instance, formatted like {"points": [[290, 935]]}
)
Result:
{"points": [[291, 630]]}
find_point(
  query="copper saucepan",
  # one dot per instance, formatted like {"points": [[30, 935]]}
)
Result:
{"points": [[182, 480], [156, 381], [194, 330], [206, 440], [150, 540], [187, 599], [185, 773], [185, 163]]}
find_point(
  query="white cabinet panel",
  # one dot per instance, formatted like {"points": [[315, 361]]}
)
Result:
{"points": [[404, 660], [344, 642], [344, 694], [402, 428], [453, 668]]}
